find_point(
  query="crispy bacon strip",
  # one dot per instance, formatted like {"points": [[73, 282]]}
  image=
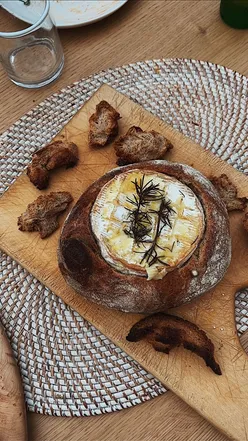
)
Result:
{"points": [[229, 193], [54, 155], [165, 332]]}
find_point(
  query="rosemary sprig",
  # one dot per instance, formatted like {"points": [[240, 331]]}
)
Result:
{"points": [[140, 221], [164, 213], [151, 255]]}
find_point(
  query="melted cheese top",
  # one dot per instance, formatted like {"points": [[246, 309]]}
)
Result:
{"points": [[110, 220]]}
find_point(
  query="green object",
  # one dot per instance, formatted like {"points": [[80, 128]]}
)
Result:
{"points": [[235, 13]]}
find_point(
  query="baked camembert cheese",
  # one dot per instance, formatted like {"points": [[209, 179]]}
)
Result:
{"points": [[147, 223]]}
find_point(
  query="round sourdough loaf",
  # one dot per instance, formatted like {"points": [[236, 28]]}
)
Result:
{"points": [[86, 270]]}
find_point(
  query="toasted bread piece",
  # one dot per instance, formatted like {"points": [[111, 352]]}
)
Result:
{"points": [[42, 214], [138, 146], [103, 125], [228, 193], [165, 332], [54, 155]]}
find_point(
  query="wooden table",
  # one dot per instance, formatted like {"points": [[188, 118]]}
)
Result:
{"points": [[140, 30]]}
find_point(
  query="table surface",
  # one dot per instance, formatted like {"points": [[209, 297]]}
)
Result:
{"points": [[140, 30]]}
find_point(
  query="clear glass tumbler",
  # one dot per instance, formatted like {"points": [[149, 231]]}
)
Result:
{"points": [[33, 57]]}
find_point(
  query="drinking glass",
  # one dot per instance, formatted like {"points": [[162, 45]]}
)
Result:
{"points": [[33, 57]]}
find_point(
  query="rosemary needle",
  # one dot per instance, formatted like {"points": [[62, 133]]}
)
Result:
{"points": [[140, 221]]}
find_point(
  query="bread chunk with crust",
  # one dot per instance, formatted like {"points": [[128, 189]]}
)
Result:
{"points": [[138, 145], [54, 155], [42, 214], [103, 125], [84, 267], [166, 332], [229, 193]]}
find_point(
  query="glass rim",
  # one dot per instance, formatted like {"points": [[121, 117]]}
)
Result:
{"points": [[31, 28]]}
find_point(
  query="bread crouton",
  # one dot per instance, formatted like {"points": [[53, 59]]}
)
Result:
{"points": [[138, 145], [42, 214], [54, 155], [228, 193], [103, 125], [165, 332]]}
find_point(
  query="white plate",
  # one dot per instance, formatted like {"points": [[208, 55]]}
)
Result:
{"points": [[65, 13]]}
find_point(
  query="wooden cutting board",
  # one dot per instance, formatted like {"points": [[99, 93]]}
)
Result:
{"points": [[13, 425], [222, 400]]}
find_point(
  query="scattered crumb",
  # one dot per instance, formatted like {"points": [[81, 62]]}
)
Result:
{"points": [[194, 273], [157, 70]]}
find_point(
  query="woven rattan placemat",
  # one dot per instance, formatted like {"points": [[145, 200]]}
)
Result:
{"points": [[68, 367]]}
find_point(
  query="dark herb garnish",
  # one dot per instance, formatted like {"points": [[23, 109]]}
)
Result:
{"points": [[151, 256], [140, 222], [164, 213]]}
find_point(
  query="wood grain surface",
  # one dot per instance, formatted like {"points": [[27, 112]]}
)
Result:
{"points": [[219, 399], [164, 418], [13, 425], [140, 30]]}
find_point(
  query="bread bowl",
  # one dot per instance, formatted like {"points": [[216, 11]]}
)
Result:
{"points": [[124, 282]]}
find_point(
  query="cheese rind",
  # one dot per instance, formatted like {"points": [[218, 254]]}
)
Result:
{"points": [[176, 242]]}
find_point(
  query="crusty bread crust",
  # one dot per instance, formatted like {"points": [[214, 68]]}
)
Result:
{"points": [[137, 146], [165, 332], [83, 267], [56, 154], [229, 193], [42, 214], [103, 125], [245, 221]]}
